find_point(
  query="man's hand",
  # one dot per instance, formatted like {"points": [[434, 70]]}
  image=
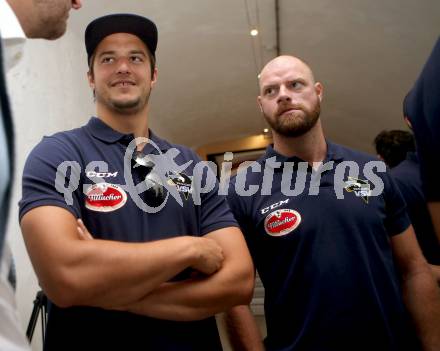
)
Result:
{"points": [[203, 297], [209, 254]]}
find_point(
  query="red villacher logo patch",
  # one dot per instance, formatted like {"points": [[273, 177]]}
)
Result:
{"points": [[282, 222], [104, 197]]}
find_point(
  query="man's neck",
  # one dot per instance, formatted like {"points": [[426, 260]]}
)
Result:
{"points": [[310, 147], [133, 123]]}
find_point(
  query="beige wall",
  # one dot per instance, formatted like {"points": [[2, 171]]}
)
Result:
{"points": [[242, 144]]}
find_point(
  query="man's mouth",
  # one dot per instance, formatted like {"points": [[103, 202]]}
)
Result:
{"points": [[123, 83], [288, 110]]}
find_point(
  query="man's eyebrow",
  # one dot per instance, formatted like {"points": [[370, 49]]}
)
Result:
{"points": [[289, 80], [109, 52], [269, 85], [299, 79], [138, 52], [113, 52]]}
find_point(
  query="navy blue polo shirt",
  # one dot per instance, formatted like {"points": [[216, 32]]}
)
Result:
{"points": [[326, 263], [408, 179], [422, 107], [110, 213]]}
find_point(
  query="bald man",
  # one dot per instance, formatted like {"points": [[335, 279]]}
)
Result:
{"points": [[330, 237]]}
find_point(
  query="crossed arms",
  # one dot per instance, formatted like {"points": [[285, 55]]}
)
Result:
{"points": [[133, 276]]}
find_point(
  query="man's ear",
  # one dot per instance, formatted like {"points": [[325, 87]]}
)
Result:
{"points": [[408, 122], [154, 79], [91, 79], [259, 103], [319, 90]]}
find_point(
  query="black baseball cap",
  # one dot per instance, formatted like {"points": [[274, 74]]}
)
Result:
{"points": [[104, 26]]}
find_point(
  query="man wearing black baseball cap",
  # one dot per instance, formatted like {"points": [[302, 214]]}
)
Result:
{"points": [[143, 270], [140, 26]]}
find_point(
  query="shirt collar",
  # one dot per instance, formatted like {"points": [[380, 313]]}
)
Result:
{"points": [[12, 35], [412, 156], [105, 133], [334, 153]]}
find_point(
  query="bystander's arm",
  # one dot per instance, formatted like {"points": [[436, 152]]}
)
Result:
{"points": [[420, 291], [243, 331]]}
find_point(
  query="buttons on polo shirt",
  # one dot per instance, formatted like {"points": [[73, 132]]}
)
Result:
{"points": [[126, 139]]}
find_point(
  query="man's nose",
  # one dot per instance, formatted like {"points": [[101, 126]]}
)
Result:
{"points": [[123, 65], [283, 94]]}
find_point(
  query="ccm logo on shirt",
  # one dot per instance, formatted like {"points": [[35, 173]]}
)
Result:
{"points": [[93, 174], [274, 206], [282, 222]]}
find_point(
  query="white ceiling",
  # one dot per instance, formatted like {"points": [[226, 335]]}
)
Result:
{"points": [[367, 53]]}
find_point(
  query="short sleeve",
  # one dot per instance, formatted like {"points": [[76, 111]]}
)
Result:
{"points": [[39, 182], [238, 208], [422, 107], [397, 219], [215, 211]]}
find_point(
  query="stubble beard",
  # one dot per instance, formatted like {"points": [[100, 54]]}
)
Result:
{"points": [[51, 17], [127, 107], [291, 124]]}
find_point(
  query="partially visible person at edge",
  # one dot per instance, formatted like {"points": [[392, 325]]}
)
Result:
{"points": [[339, 274], [19, 19], [122, 278], [422, 109], [392, 146], [397, 149]]}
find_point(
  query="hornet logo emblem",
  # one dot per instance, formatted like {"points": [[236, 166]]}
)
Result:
{"points": [[360, 187]]}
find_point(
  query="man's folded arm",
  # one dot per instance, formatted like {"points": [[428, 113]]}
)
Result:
{"points": [[104, 273], [196, 299]]}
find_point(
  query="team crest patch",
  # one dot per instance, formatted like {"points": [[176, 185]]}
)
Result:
{"points": [[282, 222], [182, 182], [104, 197], [361, 188]]}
